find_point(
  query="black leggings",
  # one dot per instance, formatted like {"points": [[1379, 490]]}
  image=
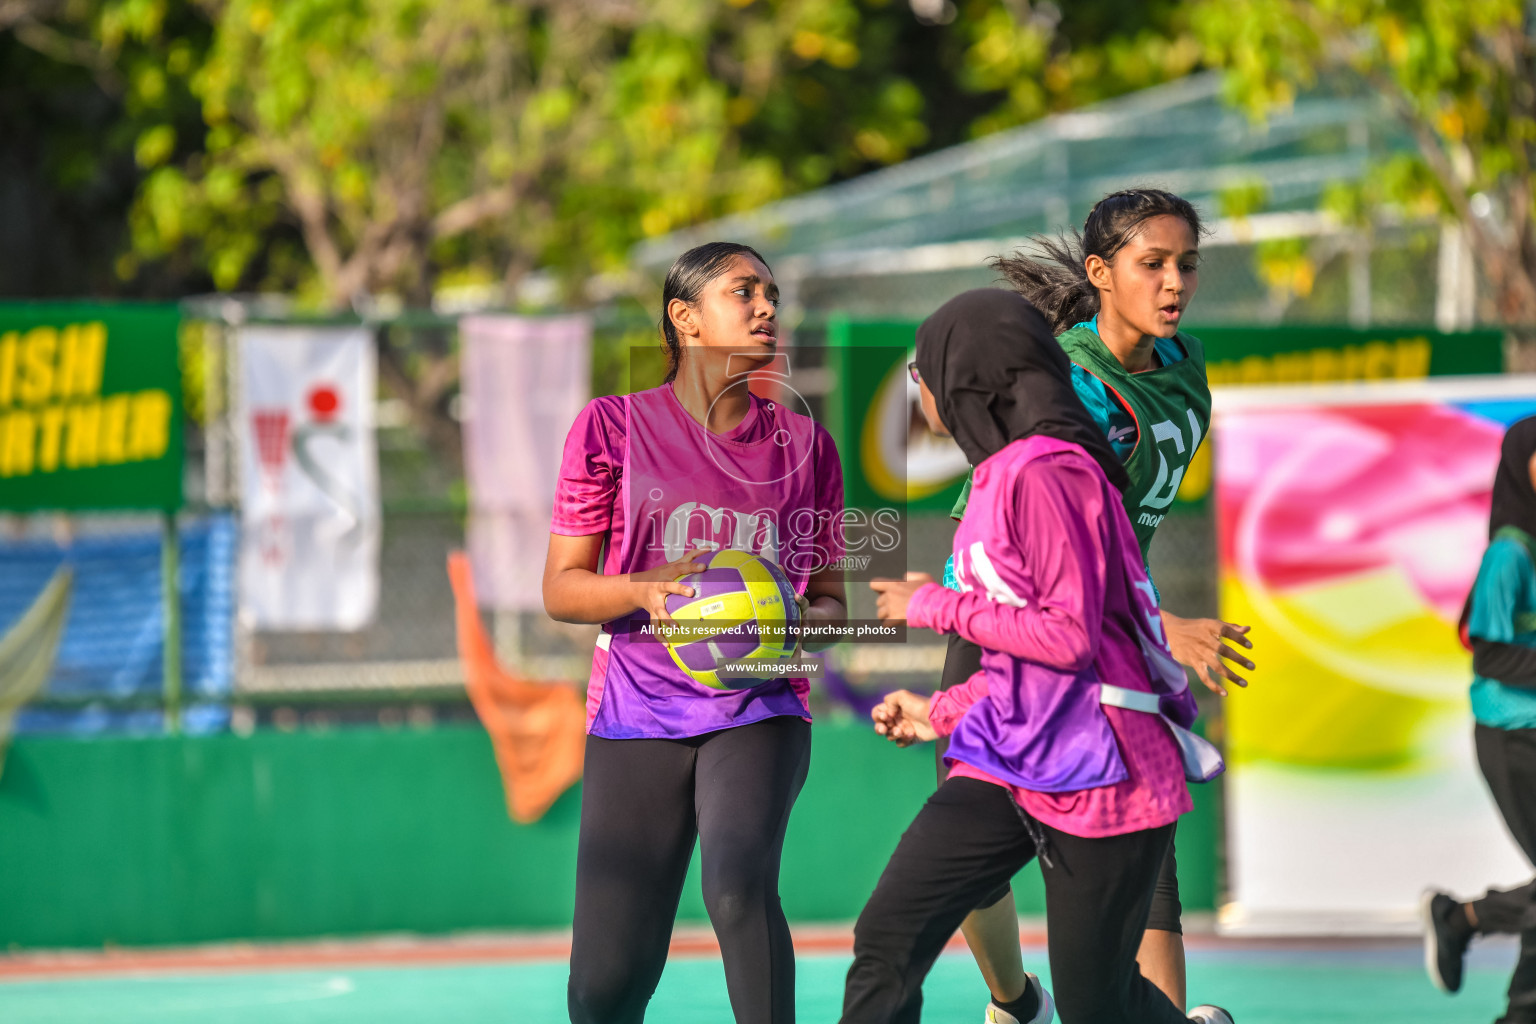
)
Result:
{"points": [[963, 660], [968, 837], [643, 802], [1508, 760]]}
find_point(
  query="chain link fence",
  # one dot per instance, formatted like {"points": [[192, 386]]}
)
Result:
{"points": [[403, 668]]}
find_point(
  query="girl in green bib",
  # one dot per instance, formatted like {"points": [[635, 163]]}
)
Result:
{"points": [[1115, 296]]}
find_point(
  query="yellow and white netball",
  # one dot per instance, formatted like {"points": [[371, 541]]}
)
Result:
{"points": [[743, 609]]}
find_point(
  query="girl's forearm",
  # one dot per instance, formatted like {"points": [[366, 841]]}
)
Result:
{"points": [[824, 610], [1050, 636], [585, 597]]}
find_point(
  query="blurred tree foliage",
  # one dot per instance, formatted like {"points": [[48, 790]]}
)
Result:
{"points": [[87, 90], [332, 148], [335, 148], [404, 136], [1461, 76], [1044, 59]]}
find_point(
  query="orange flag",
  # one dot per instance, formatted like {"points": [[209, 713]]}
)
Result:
{"points": [[538, 730]]}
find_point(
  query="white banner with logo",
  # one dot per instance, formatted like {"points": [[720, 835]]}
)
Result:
{"points": [[524, 381], [309, 552]]}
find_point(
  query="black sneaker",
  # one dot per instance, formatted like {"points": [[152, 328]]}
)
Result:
{"points": [[1446, 937]]}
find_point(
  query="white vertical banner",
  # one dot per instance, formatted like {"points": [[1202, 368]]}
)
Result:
{"points": [[309, 549], [524, 381]]}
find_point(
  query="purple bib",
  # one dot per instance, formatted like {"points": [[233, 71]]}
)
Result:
{"points": [[756, 489], [1041, 728]]}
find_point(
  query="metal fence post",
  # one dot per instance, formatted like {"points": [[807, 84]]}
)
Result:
{"points": [[170, 571]]}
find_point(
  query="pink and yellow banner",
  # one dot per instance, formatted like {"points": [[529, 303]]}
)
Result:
{"points": [[1351, 521]]}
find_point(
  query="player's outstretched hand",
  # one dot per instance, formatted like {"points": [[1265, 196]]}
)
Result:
{"points": [[656, 585], [902, 718], [1202, 644], [894, 595]]}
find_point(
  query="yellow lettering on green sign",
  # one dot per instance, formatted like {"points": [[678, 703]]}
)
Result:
{"points": [[1290, 367], [53, 416], [82, 355], [38, 348], [149, 425], [9, 342], [82, 435], [1411, 358], [129, 427], [50, 438], [16, 444], [48, 364], [114, 430], [1403, 359]]}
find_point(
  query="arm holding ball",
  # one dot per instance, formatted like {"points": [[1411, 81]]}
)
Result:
{"points": [[825, 602], [574, 591]]}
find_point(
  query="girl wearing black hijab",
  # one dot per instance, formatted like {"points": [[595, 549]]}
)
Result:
{"points": [[1067, 745], [1499, 625]]}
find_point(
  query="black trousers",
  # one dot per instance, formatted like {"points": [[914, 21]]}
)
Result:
{"points": [[963, 660], [969, 837], [643, 803], [1508, 760]]}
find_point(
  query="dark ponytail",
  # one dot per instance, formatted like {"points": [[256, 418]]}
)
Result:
{"points": [[1053, 277], [690, 273]]}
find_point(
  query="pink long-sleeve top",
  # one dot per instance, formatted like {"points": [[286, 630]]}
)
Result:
{"points": [[1052, 584]]}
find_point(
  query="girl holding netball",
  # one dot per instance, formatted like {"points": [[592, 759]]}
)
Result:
{"points": [[1115, 299], [648, 481], [1066, 745]]}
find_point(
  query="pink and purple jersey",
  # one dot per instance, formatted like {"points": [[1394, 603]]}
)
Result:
{"points": [[1053, 589], [641, 470]]}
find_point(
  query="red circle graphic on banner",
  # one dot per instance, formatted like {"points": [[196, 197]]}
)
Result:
{"points": [[324, 402]]}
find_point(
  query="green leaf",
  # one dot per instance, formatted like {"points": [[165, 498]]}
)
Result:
{"points": [[155, 146]]}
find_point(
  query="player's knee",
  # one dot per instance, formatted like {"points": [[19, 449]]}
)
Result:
{"points": [[875, 934], [877, 989], [605, 995], [736, 898]]}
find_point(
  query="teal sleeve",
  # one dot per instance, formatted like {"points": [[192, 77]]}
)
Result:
{"points": [[1090, 391], [1501, 579]]}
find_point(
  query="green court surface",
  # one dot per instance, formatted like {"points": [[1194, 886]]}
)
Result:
{"points": [[1339, 985]]}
